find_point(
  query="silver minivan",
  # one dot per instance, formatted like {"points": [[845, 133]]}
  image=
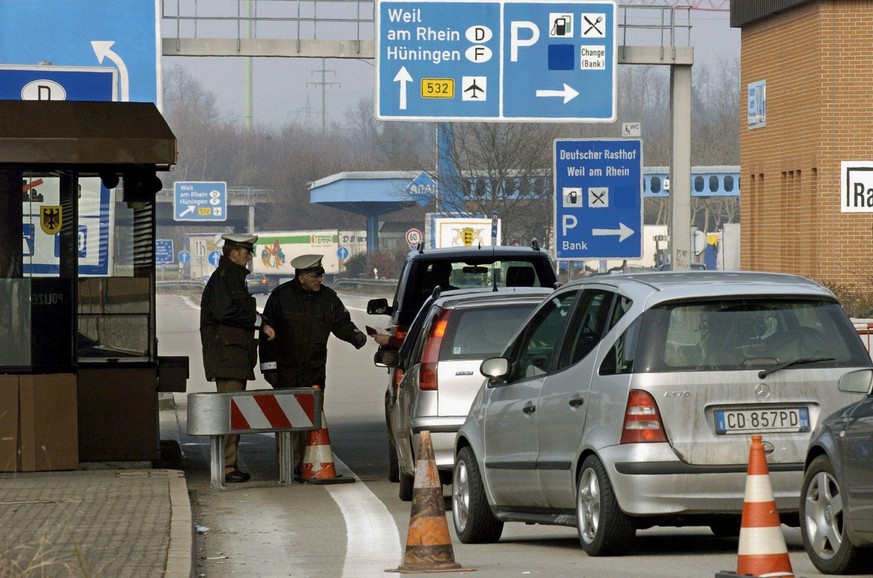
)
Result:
{"points": [[628, 401], [438, 368]]}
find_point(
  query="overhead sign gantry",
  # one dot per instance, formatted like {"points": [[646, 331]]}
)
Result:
{"points": [[496, 60]]}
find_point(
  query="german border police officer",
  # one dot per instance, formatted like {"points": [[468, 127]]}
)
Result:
{"points": [[228, 321], [304, 313]]}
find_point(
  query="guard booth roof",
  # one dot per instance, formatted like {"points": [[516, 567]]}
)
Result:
{"points": [[84, 135]]}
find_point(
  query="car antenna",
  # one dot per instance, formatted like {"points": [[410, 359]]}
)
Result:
{"points": [[420, 247], [493, 266], [535, 245]]}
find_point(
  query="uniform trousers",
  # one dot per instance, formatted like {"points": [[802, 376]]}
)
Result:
{"points": [[231, 441]]}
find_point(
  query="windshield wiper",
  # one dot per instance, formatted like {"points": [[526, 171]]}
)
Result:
{"points": [[800, 361]]}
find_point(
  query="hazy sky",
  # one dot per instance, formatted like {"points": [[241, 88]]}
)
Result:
{"points": [[290, 90]]}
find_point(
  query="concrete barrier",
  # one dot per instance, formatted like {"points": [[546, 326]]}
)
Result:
{"points": [[282, 411]]}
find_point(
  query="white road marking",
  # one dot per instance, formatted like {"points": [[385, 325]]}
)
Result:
{"points": [[372, 540]]}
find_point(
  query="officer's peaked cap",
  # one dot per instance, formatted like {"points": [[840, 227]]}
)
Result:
{"points": [[240, 240], [304, 262]]}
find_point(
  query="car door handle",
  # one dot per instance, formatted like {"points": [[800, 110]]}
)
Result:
{"points": [[529, 408], [576, 401]]}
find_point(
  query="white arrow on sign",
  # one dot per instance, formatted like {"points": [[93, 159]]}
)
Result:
{"points": [[103, 49], [403, 78], [190, 209], [568, 93], [623, 232]]}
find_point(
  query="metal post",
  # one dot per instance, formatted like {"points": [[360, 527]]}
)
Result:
{"points": [[680, 167], [216, 461], [286, 457]]}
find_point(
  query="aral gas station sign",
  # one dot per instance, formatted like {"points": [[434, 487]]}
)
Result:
{"points": [[495, 60]]}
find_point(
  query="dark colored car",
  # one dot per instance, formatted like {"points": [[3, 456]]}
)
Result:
{"points": [[836, 502], [454, 268], [258, 283]]}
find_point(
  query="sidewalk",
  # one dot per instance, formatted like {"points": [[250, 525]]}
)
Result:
{"points": [[96, 523]]}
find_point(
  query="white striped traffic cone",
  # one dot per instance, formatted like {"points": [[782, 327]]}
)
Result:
{"points": [[762, 550], [318, 466]]}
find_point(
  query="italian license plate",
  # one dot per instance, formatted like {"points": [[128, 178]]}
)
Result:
{"points": [[740, 421]]}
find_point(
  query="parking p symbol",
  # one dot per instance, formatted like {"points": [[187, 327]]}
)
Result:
{"points": [[568, 222], [515, 41]]}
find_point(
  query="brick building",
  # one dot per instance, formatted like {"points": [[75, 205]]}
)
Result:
{"points": [[807, 68]]}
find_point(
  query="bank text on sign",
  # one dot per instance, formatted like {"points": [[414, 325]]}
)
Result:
{"points": [[495, 60]]}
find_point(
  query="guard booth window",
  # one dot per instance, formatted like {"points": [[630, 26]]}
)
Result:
{"points": [[82, 246]]}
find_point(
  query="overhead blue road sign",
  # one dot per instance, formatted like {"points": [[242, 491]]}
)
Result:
{"points": [[598, 199], [496, 60], [120, 35], [58, 83], [200, 201], [163, 251]]}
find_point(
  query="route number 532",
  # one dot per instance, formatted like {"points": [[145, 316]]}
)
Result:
{"points": [[437, 88]]}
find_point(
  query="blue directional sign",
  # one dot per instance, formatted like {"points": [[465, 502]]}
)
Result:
{"points": [[119, 35], [58, 83], [598, 199], [184, 256], [214, 257], [342, 253], [496, 60], [200, 201], [163, 251]]}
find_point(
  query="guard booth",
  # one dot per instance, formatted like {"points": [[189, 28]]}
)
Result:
{"points": [[79, 365]]}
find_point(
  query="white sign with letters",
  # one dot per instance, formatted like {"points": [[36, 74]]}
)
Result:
{"points": [[856, 186]]}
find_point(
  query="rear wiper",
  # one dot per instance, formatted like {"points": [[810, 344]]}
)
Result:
{"points": [[800, 361]]}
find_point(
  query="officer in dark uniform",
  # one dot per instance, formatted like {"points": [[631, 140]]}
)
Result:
{"points": [[228, 321], [304, 313]]}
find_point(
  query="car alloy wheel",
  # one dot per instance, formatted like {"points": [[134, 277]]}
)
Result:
{"points": [[474, 521], [604, 530], [822, 521]]}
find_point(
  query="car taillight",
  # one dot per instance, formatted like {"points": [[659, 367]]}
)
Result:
{"points": [[642, 421], [427, 377], [398, 377]]}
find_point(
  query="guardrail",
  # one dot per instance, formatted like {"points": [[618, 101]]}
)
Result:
{"points": [[243, 412], [366, 286]]}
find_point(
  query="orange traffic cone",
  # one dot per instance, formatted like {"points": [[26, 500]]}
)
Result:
{"points": [[428, 544], [318, 466], [762, 550]]}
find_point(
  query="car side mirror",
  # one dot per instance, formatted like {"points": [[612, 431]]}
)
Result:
{"points": [[378, 307], [495, 369], [386, 358], [857, 381]]}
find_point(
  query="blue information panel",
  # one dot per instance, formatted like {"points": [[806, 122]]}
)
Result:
{"points": [[495, 60], [199, 201], [598, 199], [120, 35], [163, 251]]}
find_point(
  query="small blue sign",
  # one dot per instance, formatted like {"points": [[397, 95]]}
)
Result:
{"points": [[214, 257], [163, 251], [57, 83], [342, 253], [199, 201], [499, 59], [184, 256], [598, 199]]}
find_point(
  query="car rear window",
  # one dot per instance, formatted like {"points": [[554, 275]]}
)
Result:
{"points": [[466, 276], [738, 334], [482, 332]]}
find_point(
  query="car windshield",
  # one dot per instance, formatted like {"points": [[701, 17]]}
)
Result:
{"points": [[737, 334], [482, 332]]}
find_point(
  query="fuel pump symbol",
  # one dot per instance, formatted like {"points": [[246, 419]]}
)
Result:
{"points": [[572, 197], [562, 25]]}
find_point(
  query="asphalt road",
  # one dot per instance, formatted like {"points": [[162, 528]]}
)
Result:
{"points": [[262, 528]]}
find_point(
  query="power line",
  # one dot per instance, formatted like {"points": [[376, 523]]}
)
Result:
{"points": [[323, 83]]}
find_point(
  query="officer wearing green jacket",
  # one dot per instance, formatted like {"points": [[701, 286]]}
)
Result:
{"points": [[304, 313], [228, 322]]}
